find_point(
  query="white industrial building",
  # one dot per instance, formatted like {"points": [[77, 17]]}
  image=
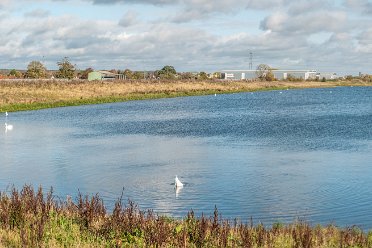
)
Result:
{"points": [[326, 76], [278, 74]]}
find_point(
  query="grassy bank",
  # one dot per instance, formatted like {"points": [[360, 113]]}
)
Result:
{"points": [[31, 95], [30, 218]]}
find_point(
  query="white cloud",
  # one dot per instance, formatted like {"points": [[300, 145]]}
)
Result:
{"points": [[153, 2], [311, 22], [275, 22], [363, 6], [37, 13], [293, 34], [129, 19], [365, 42], [4, 3], [216, 5], [300, 7]]}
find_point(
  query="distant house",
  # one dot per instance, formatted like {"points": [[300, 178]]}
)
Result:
{"points": [[278, 74], [104, 75]]}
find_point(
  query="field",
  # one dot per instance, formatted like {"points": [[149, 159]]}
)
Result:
{"points": [[18, 95], [31, 218]]}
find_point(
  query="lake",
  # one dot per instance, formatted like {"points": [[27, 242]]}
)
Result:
{"points": [[273, 156]]}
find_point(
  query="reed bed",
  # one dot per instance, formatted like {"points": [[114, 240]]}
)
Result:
{"points": [[32, 218], [16, 95]]}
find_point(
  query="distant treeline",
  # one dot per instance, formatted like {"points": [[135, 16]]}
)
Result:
{"points": [[66, 70]]}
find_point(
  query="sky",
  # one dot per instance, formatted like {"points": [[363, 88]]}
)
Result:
{"points": [[191, 35]]}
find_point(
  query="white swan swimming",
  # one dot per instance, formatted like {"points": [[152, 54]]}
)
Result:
{"points": [[8, 127], [177, 183], [6, 113]]}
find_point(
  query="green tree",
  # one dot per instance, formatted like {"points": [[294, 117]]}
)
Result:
{"points": [[367, 78], [15, 73], [349, 77], [270, 76], [202, 75], [66, 69], [36, 69], [138, 75], [167, 72], [128, 74], [217, 75]]}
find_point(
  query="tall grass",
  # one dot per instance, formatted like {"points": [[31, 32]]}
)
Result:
{"points": [[30, 218], [18, 95]]}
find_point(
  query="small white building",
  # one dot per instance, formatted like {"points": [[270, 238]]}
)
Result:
{"points": [[326, 76], [278, 74]]}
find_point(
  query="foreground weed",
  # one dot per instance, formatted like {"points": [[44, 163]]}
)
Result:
{"points": [[30, 218]]}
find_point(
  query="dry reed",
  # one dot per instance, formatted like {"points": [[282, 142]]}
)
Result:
{"points": [[35, 94]]}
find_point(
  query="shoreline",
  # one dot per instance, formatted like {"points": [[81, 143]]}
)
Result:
{"points": [[42, 94]]}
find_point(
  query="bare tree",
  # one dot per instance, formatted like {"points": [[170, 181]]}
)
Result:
{"points": [[66, 69], [262, 71]]}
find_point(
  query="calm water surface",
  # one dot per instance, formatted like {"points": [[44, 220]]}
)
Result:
{"points": [[273, 156]]}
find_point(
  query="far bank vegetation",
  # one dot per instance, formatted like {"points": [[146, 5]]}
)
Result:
{"points": [[38, 88], [37, 94]]}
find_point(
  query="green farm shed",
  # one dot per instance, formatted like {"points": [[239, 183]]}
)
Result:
{"points": [[104, 75]]}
